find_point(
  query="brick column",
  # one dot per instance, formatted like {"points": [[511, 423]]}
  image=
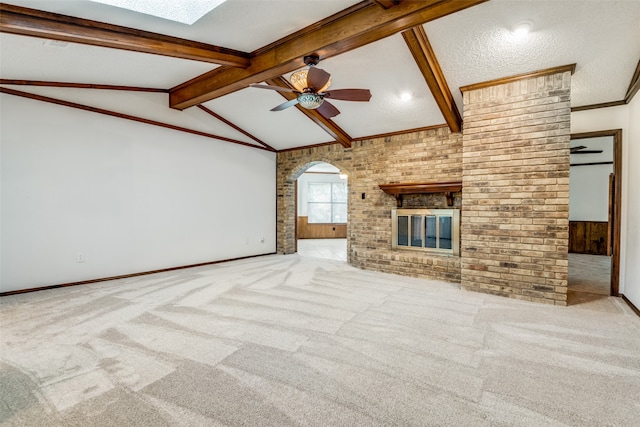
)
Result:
{"points": [[285, 216], [515, 204]]}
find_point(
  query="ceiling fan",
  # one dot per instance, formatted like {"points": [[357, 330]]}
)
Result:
{"points": [[311, 86], [580, 149]]}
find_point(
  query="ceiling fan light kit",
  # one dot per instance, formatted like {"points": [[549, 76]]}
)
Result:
{"points": [[299, 81], [310, 100], [311, 86], [299, 78]]}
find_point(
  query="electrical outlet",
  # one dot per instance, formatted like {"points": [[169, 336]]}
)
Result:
{"points": [[79, 257]]}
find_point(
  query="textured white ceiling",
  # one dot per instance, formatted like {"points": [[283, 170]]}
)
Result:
{"points": [[386, 68], [244, 25], [601, 36], [30, 58], [249, 109], [151, 106]]}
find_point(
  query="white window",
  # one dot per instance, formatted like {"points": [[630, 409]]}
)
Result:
{"points": [[431, 230], [327, 202]]}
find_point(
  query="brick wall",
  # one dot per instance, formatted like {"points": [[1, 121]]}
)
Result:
{"points": [[514, 228], [292, 164], [432, 155], [513, 160]]}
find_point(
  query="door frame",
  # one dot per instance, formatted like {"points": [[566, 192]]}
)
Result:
{"points": [[295, 215], [617, 199]]}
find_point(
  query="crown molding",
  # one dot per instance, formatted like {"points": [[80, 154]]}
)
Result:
{"points": [[518, 77]]}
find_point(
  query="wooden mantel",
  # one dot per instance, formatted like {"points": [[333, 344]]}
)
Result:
{"points": [[398, 190]]}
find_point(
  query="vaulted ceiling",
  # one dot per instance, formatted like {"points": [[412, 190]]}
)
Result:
{"points": [[196, 78]]}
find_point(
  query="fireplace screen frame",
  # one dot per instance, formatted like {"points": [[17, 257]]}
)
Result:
{"points": [[420, 216]]}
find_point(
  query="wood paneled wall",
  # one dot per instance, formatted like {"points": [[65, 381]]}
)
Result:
{"points": [[320, 231], [588, 237]]}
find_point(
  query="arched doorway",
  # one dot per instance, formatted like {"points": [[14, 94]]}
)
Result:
{"points": [[289, 170], [321, 212]]}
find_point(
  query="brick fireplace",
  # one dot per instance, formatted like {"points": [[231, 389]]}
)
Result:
{"points": [[513, 161]]}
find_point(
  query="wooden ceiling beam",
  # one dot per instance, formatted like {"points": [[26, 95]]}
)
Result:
{"points": [[80, 85], [326, 124], [234, 126], [418, 43], [119, 115], [36, 23], [363, 24], [386, 4]]}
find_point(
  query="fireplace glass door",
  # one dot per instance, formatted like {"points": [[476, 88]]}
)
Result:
{"points": [[431, 230]]}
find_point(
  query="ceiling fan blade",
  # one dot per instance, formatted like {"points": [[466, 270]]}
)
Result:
{"points": [[328, 110], [278, 88], [587, 152], [349, 94], [317, 78], [285, 105]]}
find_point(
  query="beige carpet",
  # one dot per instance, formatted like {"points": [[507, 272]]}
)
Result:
{"points": [[286, 340]]}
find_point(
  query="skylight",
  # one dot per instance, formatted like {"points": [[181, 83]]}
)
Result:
{"points": [[184, 11]]}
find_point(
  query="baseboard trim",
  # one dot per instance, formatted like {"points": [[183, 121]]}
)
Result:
{"points": [[633, 307], [126, 276]]}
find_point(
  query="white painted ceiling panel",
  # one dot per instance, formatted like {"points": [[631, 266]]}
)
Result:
{"points": [[249, 109], [601, 37], [30, 58], [151, 106], [244, 25], [388, 69]]}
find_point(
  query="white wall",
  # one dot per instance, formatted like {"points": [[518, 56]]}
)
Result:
{"points": [[627, 118], [589, 184], [632, 230], [128, 196], [589, 193]]}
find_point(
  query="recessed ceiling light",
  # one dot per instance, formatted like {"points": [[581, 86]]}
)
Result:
{"points": [[522, 28], [184, 11], [405, 96]]}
